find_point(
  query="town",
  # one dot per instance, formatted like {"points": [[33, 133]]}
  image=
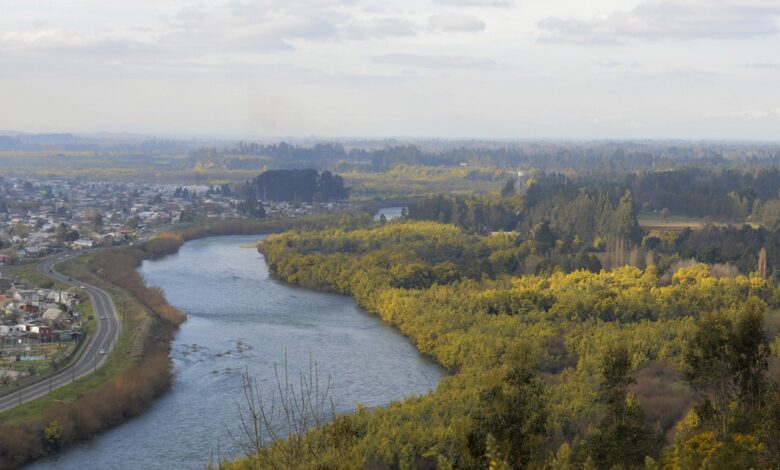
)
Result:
{"points": [[43, 217], [40, 329]]}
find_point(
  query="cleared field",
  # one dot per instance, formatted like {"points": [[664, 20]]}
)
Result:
{"points": [[658, 223]]}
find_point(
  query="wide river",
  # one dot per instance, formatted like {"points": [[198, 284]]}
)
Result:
{"points": [[239, 319]]}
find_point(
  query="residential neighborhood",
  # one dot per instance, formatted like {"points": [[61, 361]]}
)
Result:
{"points": [[42, 217], [39, 328]]}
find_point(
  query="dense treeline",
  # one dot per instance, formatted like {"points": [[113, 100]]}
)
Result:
{"points": [[748, 249], [618, 369], [296, 185], [570, 211], [554, 224], [732, 194], [557, 224], [719, 194], [605, 157]]}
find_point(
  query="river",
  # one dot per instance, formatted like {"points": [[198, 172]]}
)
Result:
{"points": [[239, 318]]}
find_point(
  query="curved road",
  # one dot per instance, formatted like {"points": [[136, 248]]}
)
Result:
{"points": [[89, 359]]}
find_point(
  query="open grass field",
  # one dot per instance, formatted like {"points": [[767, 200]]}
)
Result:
{"points": [[658, 223]]}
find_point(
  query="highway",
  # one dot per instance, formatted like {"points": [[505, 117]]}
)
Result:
{"points": [[90, 358]]}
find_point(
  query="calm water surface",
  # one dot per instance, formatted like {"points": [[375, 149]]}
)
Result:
{"points": [[239, 318], [390, 213]]}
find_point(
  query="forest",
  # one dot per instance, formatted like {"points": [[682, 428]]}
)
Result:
{"points": [[627, 368], [569, 224], [305, 185], [603, 157]]}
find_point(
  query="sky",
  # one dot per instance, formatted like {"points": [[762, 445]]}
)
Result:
{"points": [[492, 69]]}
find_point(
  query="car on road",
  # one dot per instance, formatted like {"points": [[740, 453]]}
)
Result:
{"points": [[102, 317], [102, 351]]}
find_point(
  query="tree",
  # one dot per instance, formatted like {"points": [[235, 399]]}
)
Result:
{"points": [[726, 363], [626, 225], [186, 215], [19, 229], [623, 437], [749, 355], [708, 368], [513, 412], [251, 208], [544, 237], [52, 435], [65, 234], [509, 188]]}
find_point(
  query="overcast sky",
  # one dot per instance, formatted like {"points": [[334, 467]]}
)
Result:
{"points": [[688, 69]]}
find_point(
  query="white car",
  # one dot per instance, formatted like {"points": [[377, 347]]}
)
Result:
{"points": [[102, 351]]}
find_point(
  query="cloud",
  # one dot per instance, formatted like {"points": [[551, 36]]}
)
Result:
{"points": [[435, 61], [58, 39], [751, 115], [377, 28], [476, 3], [669, 19], [763, 65], [455, 22]]}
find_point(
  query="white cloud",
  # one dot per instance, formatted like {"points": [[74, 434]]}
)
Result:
{"points": [[455, 22], [670, 19], [377, 28], [42, 39], [476, 3], [436, 61]]}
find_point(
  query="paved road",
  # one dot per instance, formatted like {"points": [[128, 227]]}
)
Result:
{"points": [[103, 338]]}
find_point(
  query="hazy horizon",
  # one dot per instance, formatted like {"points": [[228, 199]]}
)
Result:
{"points": [[687, 70]]}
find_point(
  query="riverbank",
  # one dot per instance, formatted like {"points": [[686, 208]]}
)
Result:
{"points": [[140, 370], [134, 374], [239, 320]]}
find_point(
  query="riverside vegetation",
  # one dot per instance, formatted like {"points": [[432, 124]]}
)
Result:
{"points": [[568, 368], [139, 369]]}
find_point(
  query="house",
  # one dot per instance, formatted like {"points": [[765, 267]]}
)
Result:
{"points": [[30, 308], [81, 244], [43, 331], [54, 315], [62, 297]]}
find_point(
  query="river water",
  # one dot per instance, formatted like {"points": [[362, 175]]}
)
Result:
{"points": [[241, 319]]}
